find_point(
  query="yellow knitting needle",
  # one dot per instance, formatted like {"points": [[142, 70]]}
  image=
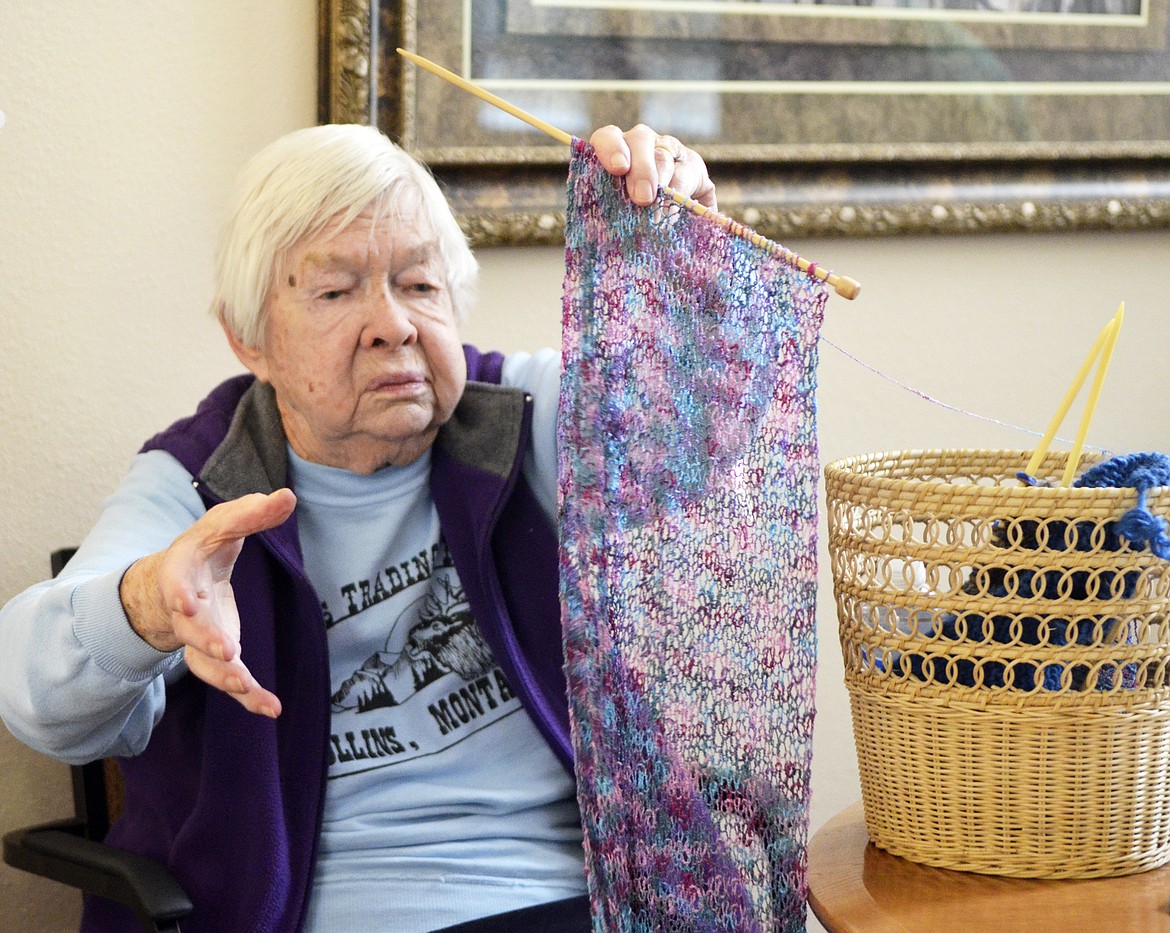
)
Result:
{"points": [[844, 286], [1107, 336], [1074, 458]]}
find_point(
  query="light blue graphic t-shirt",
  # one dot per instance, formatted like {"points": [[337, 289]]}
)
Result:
{"points": [[443, 801]]}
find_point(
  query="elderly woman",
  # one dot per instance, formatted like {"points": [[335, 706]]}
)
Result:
{"points": [[318, 620]]}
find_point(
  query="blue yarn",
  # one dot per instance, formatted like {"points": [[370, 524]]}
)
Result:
{"points": [[1136, 471], [1143, 471], [1143, 528]]}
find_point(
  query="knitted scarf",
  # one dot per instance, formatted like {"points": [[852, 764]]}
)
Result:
{"points": [[688, 480]]}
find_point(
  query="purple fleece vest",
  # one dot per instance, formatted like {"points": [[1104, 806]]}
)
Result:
{"points": [[231, 802]]}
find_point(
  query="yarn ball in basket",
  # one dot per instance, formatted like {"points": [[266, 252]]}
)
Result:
{"points": [[1139, 527]]}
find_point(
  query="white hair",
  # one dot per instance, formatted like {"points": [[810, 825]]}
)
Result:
{"points": [[297, 185]]}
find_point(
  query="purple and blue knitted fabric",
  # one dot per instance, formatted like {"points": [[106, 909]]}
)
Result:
{"points": [[688, 479]]}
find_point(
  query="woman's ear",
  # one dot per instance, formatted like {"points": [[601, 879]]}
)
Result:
{"points": [[253, 358]]}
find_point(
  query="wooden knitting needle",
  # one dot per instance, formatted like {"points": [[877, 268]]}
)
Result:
{"points": [[844, 286]]}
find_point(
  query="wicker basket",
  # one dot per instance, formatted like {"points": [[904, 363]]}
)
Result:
{"points": [[1008, 665]]}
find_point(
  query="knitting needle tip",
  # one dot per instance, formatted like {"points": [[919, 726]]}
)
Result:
{"points": [[845, 287]]}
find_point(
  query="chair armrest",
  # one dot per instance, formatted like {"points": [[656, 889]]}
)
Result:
{"points": [[59, 851]]}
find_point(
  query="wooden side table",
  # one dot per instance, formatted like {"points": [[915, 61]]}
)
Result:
{"points": [[855, 887]]}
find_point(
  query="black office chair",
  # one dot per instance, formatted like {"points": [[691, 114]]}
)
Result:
{"points": [[72, 852]]}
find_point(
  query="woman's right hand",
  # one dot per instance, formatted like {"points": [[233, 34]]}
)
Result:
{"points": [[182, 597]]}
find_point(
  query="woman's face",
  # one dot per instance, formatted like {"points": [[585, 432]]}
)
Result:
{"points": [[360, 343]]}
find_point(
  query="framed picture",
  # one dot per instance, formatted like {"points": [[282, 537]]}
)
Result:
{"points": [[816, 117]]}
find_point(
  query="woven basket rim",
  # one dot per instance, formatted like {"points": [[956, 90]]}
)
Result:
{"points": [[847, 469]]}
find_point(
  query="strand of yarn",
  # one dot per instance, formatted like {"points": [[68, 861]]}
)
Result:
{"points": [[941, 404]]}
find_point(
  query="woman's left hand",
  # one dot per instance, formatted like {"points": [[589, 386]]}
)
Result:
{"points": [[649, 160]]}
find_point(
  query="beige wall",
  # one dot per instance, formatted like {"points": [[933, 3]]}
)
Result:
{"points": [[125, 125]]}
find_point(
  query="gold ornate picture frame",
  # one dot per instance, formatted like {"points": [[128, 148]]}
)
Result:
{"points": [[815, 120]]}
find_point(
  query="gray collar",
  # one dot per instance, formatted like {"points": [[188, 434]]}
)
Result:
{"points": [[485, 431]]}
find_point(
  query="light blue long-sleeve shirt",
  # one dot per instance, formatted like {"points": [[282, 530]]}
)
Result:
{"points": [[76, 682]]}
